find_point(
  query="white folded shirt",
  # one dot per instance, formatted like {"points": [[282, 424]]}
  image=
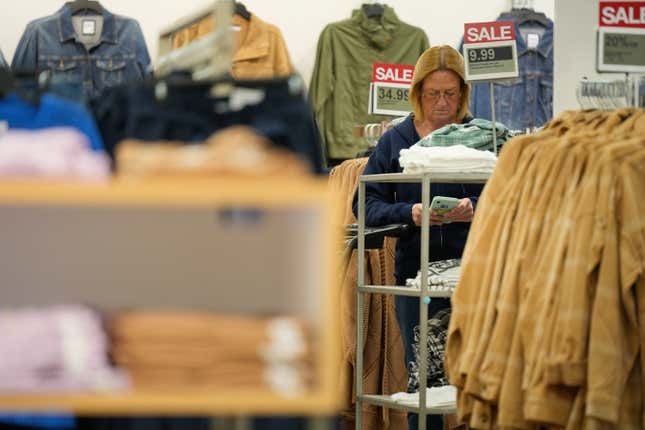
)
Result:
{"points": [[446, 159], [436, 397]]}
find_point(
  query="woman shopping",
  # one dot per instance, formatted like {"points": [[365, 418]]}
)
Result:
{"points": [[439, 96]]}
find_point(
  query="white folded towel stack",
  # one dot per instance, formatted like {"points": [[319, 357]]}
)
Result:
{"points": [[448, 159]]}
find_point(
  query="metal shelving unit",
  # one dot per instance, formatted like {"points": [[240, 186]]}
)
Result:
{"points": [[423, 293]]}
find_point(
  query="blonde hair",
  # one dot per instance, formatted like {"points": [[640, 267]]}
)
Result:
{"points": [[436, 58]]}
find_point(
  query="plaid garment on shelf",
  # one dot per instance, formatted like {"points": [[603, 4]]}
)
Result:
{"points": [[443, 275], [477, 134], [437, 334]]}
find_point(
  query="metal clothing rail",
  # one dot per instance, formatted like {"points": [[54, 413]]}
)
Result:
{"points": [[423, 292], [207, 57]]}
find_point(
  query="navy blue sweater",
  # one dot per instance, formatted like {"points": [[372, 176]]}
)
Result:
{"points": [[389, 203]]}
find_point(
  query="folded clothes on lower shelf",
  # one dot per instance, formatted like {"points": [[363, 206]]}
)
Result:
{"points": [[55, 349], [174, 349], [71, 348], [442, 275], [436, 397]]}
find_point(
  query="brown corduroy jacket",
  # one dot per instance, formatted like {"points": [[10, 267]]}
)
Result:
{"points": [[384, 369]]}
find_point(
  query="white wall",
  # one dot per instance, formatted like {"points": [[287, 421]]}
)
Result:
{"points": [[301, 21], [576, 24]]}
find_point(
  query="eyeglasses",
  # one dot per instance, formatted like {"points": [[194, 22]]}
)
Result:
{"points": [[434, 96]]}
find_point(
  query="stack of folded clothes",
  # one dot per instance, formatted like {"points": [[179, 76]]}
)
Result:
{"points": [[55, 349], [51, 153], [477, 134], [449, 159], [174, 350], [237, 150], [442, 275], [436, 397]]}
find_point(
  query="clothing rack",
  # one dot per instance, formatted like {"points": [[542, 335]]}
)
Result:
{"points": [[424, 293], [370, 132], [373, 131], [207, 57], [639, 92], [605, 94]]}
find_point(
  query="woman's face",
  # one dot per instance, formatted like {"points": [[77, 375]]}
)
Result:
{"points": [[441, 96]]}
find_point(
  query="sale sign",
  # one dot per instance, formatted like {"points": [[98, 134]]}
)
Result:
{"points": [[622, 14], [390, 89], [621, 37], [392, 73], [490, 51], [485, 32]]}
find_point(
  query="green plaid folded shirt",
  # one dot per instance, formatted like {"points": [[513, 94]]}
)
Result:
{"points": [[477, 134]]}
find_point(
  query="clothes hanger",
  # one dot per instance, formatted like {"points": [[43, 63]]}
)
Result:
{"points": [[80, 5], [373, 10], [525, 15], [242, 11]]}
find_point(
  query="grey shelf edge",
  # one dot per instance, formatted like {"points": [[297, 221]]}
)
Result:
{"points": [[455, 177], [387, 402], [402, 291]]}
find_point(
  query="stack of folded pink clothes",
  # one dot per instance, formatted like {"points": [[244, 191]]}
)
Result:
{"points": [[55, 349], [51, 153]]}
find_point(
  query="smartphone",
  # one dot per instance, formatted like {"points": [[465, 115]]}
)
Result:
{"points": [[443, 205]]}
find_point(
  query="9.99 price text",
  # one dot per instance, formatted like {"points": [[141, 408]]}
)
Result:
{"points": [[485, 54]]}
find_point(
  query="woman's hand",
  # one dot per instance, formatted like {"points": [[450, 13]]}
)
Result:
{"points": [[417, 216], [463, 212]]}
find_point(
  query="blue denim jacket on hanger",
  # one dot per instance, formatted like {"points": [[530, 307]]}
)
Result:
{"points": [[51, 43], [526, 101]]}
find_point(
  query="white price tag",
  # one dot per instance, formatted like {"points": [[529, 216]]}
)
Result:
{"points": [[390, 89], [390, 99], [532, 40], [89, 27]]}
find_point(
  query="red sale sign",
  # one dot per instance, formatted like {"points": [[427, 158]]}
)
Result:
{"points": [[392, 73], [486, 32], [629, 14]]}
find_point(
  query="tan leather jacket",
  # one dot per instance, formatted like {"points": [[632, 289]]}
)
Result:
{"points": [[260, 53]]}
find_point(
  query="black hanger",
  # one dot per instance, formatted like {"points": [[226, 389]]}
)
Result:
{"points": [[79, 5], [524, 15], [242, 11], [373, 10]]}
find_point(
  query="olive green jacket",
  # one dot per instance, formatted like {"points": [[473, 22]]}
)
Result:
{"points": [[339, 90]]}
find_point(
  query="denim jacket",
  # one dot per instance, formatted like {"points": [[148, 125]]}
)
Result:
{"points": [[51, 43], [526, 101]]}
